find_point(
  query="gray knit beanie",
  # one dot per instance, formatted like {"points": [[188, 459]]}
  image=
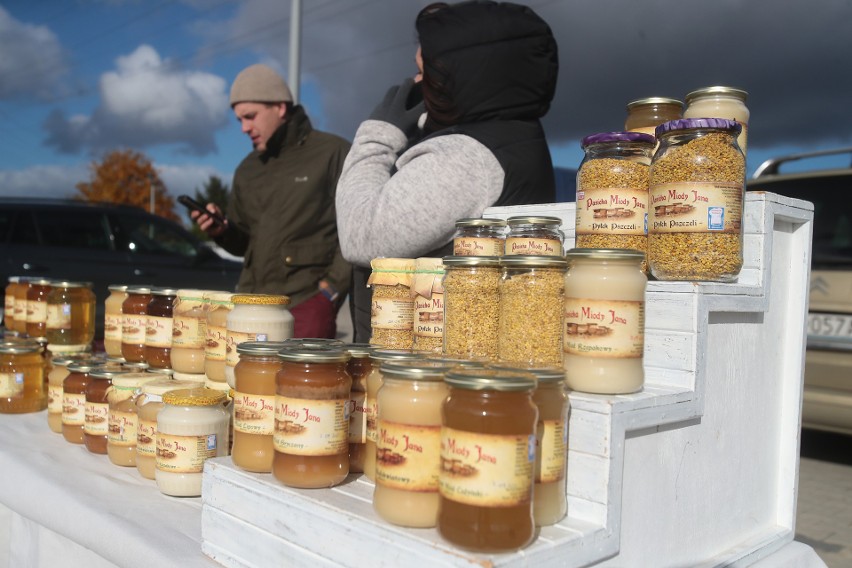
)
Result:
{"points": [[259, 83]]}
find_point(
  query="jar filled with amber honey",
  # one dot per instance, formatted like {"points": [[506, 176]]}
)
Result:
{"points": [[74, 400], [22, 387], [360, 365], [37, 291], [158, 334], [71, 314], [113, 319], [12, 284], [96, 421], [135, 323], [19, 305], [123, 422]]}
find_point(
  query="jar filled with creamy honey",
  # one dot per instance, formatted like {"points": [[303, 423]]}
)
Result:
{"points": [[255, 317], [721, 102], [22, 387], [189, 332], [113, 319], [123, 422], [134, 324], [159, 328], [219, 305], [70, 314]]}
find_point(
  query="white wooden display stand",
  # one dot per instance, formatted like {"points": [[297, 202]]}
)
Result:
{"points": [[698, 469]]}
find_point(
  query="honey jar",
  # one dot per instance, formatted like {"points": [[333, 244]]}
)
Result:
{"points": [[219, 305], [37, 291], [720, 102], [255, 317], [96, 421], [22, 387], [113, 319], [159, 328], [123, 420], [189, 334], [645, 115], [71, 314], [13, 283], [19, 303], [359, 367], [134, 324], [74, 400]]}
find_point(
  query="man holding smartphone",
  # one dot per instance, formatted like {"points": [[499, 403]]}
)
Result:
{"points": [[281, 214]]}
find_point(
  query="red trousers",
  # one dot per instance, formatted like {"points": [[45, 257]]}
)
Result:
{"points": [[315, 317]]}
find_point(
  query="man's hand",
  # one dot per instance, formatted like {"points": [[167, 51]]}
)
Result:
{"points": [[206, 223]]}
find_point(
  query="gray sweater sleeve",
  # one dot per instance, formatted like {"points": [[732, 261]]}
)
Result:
{"points": [[413, 211]]}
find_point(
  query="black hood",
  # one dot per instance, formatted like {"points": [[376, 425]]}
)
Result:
{"points": [[486, 61]]}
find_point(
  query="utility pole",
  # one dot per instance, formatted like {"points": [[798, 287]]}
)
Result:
{"points": [[295, 47]]}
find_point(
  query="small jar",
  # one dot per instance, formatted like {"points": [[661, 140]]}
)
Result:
{"points": [[96, 425], [54, 391], [74, 401], [487, 460], [359, 367], [479, 237], [113, 319], [22, 387], [428, 290], [254, 405], [531, 306], [134, 324], [149, 404], [721, 102], [159, 328], [392, 307], [19, 317], [697, 196], [534, 234], [9, 303], [192, 427], [71, 314], [645, 115], [189, 332], [408, 449], [219, 305], [311, 418], [604, 321], [612, 191], [550, 502], [37, 291], [123, 424], [255, 317], [471, 306], [371, 400]]}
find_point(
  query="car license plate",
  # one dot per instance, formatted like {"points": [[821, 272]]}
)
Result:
{"points": [[829, 326]]}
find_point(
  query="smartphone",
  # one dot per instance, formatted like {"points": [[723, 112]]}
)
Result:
{"points": [[192, 204]]}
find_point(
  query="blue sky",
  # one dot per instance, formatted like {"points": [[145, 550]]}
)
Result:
{"points": [[81, 77]]}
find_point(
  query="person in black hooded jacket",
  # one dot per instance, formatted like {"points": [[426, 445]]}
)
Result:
{"points": [[487, 75]]}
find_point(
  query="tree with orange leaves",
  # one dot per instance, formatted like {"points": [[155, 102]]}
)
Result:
{"points": [[125, 176]]}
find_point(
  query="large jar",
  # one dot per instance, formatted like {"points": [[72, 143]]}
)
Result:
{"points": [[645, 115], [192, 427], [428, 292], [550, 502], [149, 404], [604, 321], [311, 418], [189, 332], [487, 461], [695, 230], [19, 317], [371, 400], [531, 307], [254, 405], [71, 314], [22, 387], [471, 306], [359, 367], [134, 324], [9, 303], [123, 424], [160, 328], [534, 234], [408, 449], [37, 291], [612, 191], [219, 305], [479, 237], [392, 308], [720, 102], [255, 317], [113, 319], [74, 401], [96, 425]]}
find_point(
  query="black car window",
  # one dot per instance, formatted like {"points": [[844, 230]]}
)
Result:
{"points": [[73, 228], [23, 229], [151, 235]]}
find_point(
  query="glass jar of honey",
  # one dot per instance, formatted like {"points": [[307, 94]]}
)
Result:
{"points": [[254, 405], [71, 314], [487, 460], [12, 284], [255, 317], [408, 448], [159, 328], [428, 290], [74, 400], [645, 115], [550, 502], [123, 425], [37, 291], [219, 305], [479, 237], [54, 391], [134, 324], [22, 387], [311, 418], [359, 367], [19, 311], [96, 421], [721, 102], [189, 332], [534, 234], [471, 306], [113, 319]]}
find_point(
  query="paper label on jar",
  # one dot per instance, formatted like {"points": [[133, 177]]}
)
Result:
{"points": [[234, 338], [612, 211], [473, 246], [527, 245], [112, 327], [391, 313], [58, 316], [608, 329], [36, 312], [11, 384], [307, 427], [122, 428], [185, 454], [187, 332], [357, 417], [21, 309], [158, 332], [146, 438], [216, 343], [552, 444], [73, 409], [371, 414], [408, 457], [97, 419], [133, 329], [254, 414], [54, 399], [429, 316], [486, 470], [696, 207]]}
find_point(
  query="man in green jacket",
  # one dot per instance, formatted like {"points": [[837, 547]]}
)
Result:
{"points": [[281, 216]]}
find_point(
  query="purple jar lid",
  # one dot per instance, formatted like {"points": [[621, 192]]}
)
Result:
{"points": [[685, 123], [604, 137]]}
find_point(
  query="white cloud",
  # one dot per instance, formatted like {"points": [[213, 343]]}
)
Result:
{"points": [[32, 61], [43, 181]]}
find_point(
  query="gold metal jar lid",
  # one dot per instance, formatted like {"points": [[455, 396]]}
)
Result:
{"points": [[533, 220], [83, 367], [542, 375], [313, 355], [260, 300], [533, 261], [358, 350], [117, 287], [69, 284], [716, 90], [19, 348], [604, 254], [480, 222], [312, 342], [194, 397], [490, 379], [483, 261], [102, 373], [135, 365], [462, 362], [417, 370], [653, 101], [270, 348], [379, 354], [164, 291], [40, 282], [139, 290]]}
